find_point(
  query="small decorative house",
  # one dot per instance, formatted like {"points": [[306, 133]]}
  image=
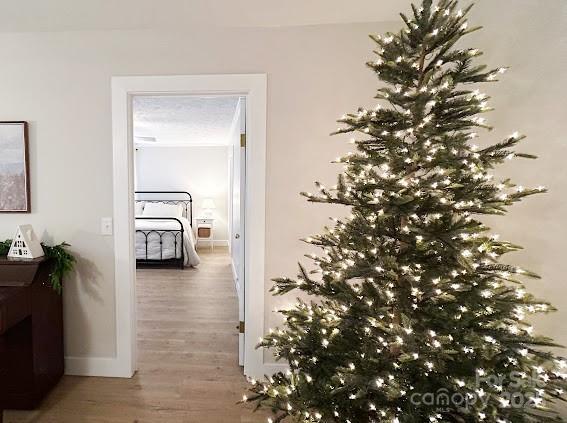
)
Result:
{"points": [[25, 245]]}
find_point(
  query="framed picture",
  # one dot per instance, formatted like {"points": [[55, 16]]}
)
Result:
{"points": [[14, 168]]}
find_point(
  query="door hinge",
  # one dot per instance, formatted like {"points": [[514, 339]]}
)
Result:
{"points": [[243, 140], [241, 327]]}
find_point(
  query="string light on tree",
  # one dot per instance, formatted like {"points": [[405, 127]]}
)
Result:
{"points": [[409, 295]]}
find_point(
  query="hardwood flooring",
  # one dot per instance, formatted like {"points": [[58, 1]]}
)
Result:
{"points": [[188, 357]]}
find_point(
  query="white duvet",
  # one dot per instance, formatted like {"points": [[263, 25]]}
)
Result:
{"points": [[169, 250]]}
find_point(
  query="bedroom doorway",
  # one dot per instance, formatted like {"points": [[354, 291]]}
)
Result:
{"points": [[244, 245], [189, 208]]}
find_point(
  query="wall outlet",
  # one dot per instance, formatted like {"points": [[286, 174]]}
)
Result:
{"points": [[106, 226]]}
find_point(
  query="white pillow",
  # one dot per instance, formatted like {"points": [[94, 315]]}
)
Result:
{"points": [[163, 210], [138, 208]]}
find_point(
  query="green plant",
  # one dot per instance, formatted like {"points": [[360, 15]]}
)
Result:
{"points": [[64, 264], [5, 247], [64, 261]]}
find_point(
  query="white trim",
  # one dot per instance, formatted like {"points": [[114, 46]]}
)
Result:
{"points": [[241, 338], [253, 86], [273, 368], [216, 243], [94, 366], [234, 275], [177, 145], [236, 285], [124, 261]]}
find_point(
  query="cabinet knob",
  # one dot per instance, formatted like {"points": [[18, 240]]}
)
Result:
{"points": [[237, 236]]}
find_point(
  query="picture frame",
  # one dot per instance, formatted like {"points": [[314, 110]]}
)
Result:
{"points": [[14, 167]]}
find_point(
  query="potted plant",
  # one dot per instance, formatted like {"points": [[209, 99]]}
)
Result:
{"points": [[63, 261]]}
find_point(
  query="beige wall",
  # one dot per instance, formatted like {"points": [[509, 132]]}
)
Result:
{"points": [[531, 37], [60, 82]]}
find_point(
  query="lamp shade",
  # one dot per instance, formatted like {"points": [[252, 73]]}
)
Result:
{"points": [[208, 204]]}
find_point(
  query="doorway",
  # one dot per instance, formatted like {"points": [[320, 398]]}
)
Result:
{"points": [[189, 163], [251, 90]]}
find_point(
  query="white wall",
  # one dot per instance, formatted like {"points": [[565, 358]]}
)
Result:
{"points": [[200, 170], [60, 82]]}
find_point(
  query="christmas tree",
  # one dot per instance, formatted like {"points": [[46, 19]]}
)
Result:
{"points": [[413, 316]]}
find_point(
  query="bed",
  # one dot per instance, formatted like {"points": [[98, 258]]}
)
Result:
{"points": [[164, 233]]}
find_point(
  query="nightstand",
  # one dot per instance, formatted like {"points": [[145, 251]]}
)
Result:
{"points": [[205, 226]]}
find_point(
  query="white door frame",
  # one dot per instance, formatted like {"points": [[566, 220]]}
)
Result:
{"points": [[253, 86]]}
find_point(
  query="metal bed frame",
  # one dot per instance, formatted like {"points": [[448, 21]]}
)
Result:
{"points": [[177, 234]]}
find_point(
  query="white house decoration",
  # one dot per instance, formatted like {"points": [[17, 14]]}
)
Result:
{"points": [[25, 244]]}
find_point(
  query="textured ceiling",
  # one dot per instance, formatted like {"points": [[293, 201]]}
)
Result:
{"points": [[76, 15], [185, 120]]}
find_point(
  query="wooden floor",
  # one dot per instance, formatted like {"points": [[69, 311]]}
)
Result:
{"points": [[188, 357]]}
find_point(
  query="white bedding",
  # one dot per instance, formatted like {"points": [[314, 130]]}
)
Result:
{"points": [[168, 250]]}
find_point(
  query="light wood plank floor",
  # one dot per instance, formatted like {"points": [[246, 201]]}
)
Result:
{"points": [[188, 357]]}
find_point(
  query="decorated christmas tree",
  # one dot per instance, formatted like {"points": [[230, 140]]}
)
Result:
{"points": [[413, 316]]}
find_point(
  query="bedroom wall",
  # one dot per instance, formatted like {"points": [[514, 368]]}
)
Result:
{"points": [[200, 170], [60, 82]]}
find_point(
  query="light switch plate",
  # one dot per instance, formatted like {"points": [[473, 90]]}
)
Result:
{"points": [[106, 226]]}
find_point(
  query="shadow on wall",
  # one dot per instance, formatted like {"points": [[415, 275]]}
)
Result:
{"points": [[83, 281], [86, 275], [81, 286]]}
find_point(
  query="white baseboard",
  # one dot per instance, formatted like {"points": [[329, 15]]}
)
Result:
{"points": [[216, 242], [272, 368], [95, 366]]}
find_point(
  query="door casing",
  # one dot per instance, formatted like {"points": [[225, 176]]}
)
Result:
{"points": [[254, 88]]}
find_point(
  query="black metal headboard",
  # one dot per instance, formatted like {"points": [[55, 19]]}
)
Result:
{"points": [[186, 202]]}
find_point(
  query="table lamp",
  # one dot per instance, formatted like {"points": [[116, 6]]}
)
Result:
{"points": [[208, 206]]}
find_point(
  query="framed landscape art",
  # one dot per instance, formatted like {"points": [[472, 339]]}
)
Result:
{"points": [[14, 168]]}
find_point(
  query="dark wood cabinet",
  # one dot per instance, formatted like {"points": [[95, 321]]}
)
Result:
{"points": [[31, 333]]}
